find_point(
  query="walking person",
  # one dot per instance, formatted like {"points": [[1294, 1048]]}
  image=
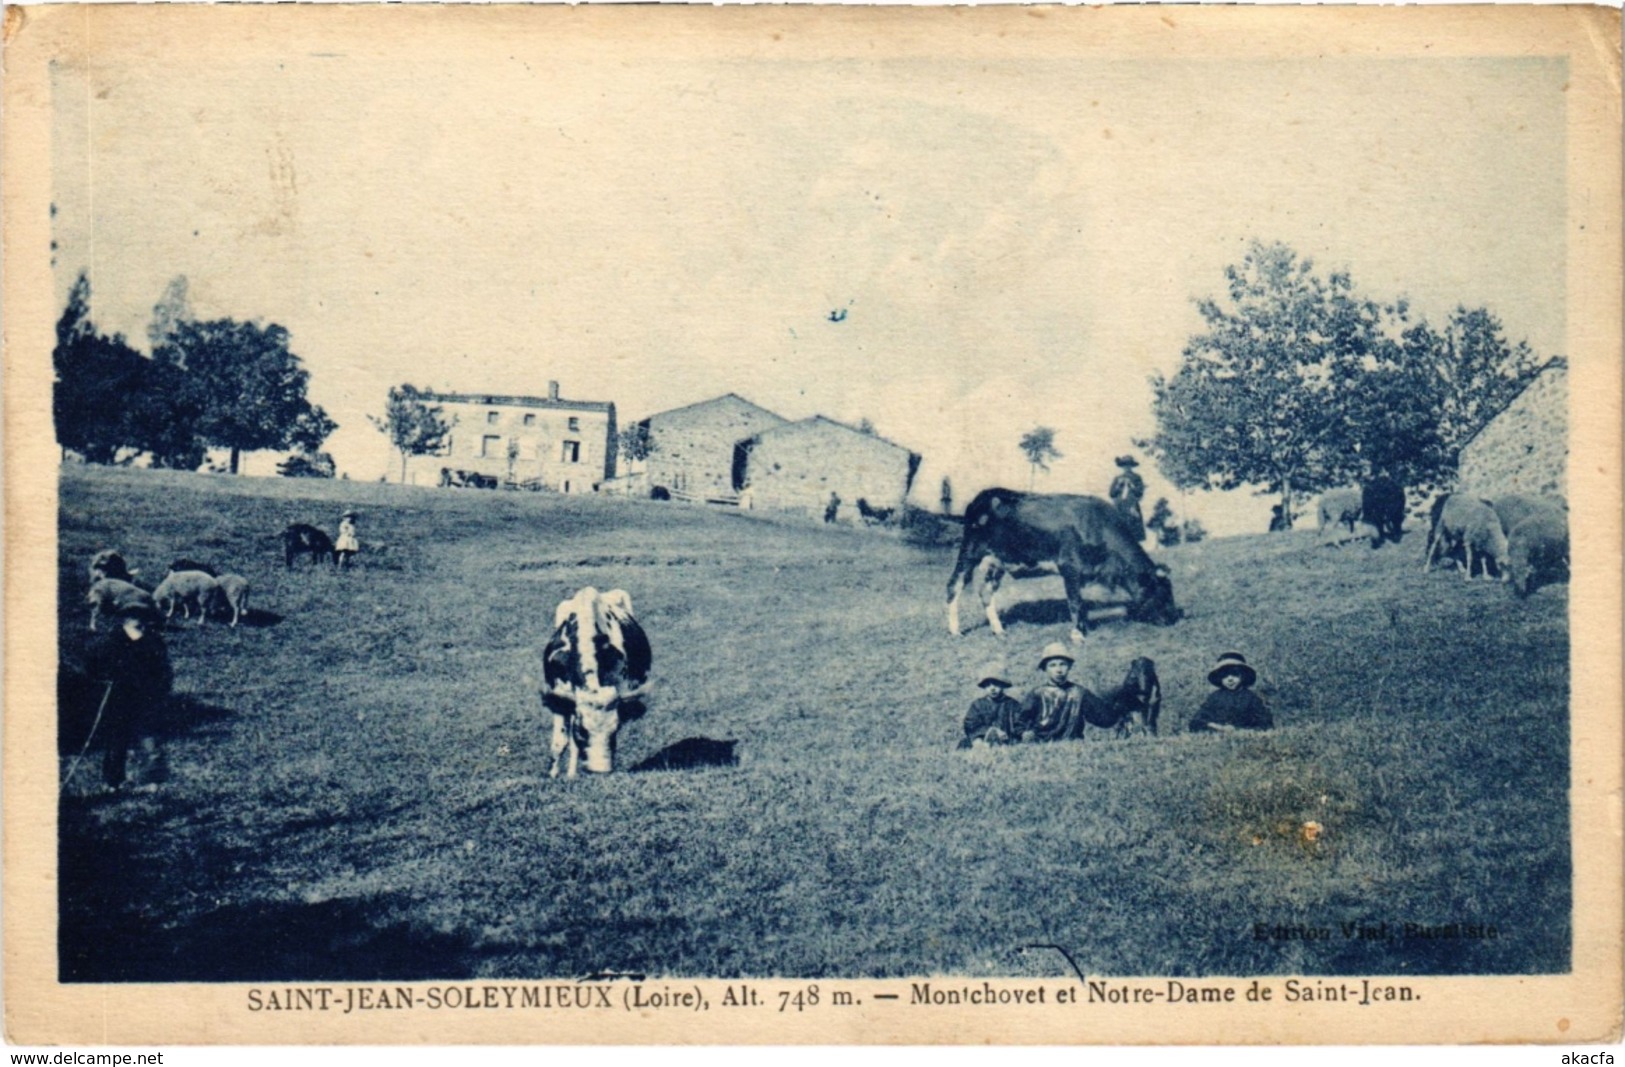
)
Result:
{"points": [[1126, 491]]}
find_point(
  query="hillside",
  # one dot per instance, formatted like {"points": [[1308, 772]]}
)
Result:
{"points": [[354, 784]]}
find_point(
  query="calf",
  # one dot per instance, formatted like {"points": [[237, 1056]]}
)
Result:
{"points": [[187, 589], [595, 672], [110, 595], [300, 538]]}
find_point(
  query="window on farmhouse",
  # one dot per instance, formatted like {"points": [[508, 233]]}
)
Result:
{"points": [[492, 416], [575, 425], [572, 451], [491, 445], [530, 420]]}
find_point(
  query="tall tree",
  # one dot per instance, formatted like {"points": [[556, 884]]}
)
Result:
{"points": [[1260, 396], [98, 380], [414, 425], [248, 386], [172, 309], [636, 442], [1038, 445]]}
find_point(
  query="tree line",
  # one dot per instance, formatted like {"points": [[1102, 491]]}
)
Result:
{"points": [[219, 384], [1300, 383]]}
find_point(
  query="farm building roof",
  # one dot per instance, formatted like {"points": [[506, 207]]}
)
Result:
{"points": [[1555, 363], [494, 400], [734, 397]]}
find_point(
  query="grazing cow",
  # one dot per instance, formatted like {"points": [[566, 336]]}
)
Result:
{"points": [[689, 753], [872, 516], [1471, 525], [1382, 506], [1338, 507], [108, 563], [1081, 537], [1538, 551], [301, 538], [595, 672], [109, 596], [1136, 704]]}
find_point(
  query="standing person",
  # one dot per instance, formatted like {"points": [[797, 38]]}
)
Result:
{"points": [[133, 664], [1053, 711], [1126, 491], [832, 508], [993, 715], [1234, 705], [346, 546]]}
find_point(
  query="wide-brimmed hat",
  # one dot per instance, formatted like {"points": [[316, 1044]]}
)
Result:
{"points": [[1054, 650], [1127, 461], [992, 672], [1232, 663]]}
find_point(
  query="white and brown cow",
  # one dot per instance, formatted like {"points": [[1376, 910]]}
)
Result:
{"points": [[595, 672]]}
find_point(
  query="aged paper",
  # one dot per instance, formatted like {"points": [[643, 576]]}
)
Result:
{"points": [[854, 252]]}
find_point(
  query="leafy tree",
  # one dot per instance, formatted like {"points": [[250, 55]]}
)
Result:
{"points": [[1038, 445], [637, 442], [165, 416], [414, 425], [1481, 374], [307, 465], [97, 379], [248, 387], [1193, 531], [1162, 514], [947, 496]]}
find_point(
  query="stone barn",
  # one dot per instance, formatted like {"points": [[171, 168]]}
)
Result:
{"points": [[693, 446], [1525, 449], [795, 467]]}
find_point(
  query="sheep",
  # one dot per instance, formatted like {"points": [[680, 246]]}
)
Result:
{"points": [[110, 595], [1338, 507], [1513, 508], [191, 565], [186, 588], [1471, 524], [1538, 551], [109, 563], [232, 592]]}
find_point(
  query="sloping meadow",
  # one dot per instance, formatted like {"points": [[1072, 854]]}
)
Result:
{"points": [[353, 784]]}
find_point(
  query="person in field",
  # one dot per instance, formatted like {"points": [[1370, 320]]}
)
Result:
{"points": [[346, 547], [992, 717], [1053, 711], [1126, 491], [832, 508], [1232, 705], [133, 664]]}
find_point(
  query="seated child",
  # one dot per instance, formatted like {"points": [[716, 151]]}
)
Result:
{"points": [[992, 716], [1233, 706], [1053, 710]]}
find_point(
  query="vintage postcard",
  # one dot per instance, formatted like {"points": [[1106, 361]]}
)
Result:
{"points": [[547, 525]]}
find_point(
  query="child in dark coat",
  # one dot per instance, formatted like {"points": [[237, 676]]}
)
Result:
{"points": [[1053, 710], [133, 665], [992, 716], [1233, 706]]}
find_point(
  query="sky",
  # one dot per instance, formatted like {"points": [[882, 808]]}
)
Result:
{"points": [[1005, 243]]}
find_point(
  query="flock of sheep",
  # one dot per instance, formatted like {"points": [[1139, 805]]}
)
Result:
{"points": [[187, 585]]}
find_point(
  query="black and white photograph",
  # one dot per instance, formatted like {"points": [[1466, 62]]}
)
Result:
{"points": [[944, 525]]}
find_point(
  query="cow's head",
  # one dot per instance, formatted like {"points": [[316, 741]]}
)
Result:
{"points": [[1155, 602]]}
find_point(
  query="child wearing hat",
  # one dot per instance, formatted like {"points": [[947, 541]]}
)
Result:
{"points": [[346, 546], [133, 663], [1126, 490], [1053, 710], [1233, 705], [992, 716]]}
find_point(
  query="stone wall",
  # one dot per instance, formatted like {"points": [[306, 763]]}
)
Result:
{"points": [[1525, 449], [694, 446], [796, 467]]}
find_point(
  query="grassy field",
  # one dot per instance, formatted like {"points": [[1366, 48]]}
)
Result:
{"points": [[353, 786]]}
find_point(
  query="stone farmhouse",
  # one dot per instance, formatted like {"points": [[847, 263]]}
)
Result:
{"points": [[1524, 449], [693, 455], [567, 446], [796, 466]]}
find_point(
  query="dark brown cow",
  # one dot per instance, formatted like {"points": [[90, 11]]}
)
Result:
{"points": [[1080, 537]]}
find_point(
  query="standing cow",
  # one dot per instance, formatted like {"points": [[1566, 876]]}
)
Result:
{"points": [[1382, 506], [1081, 537], [595, 672]]}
